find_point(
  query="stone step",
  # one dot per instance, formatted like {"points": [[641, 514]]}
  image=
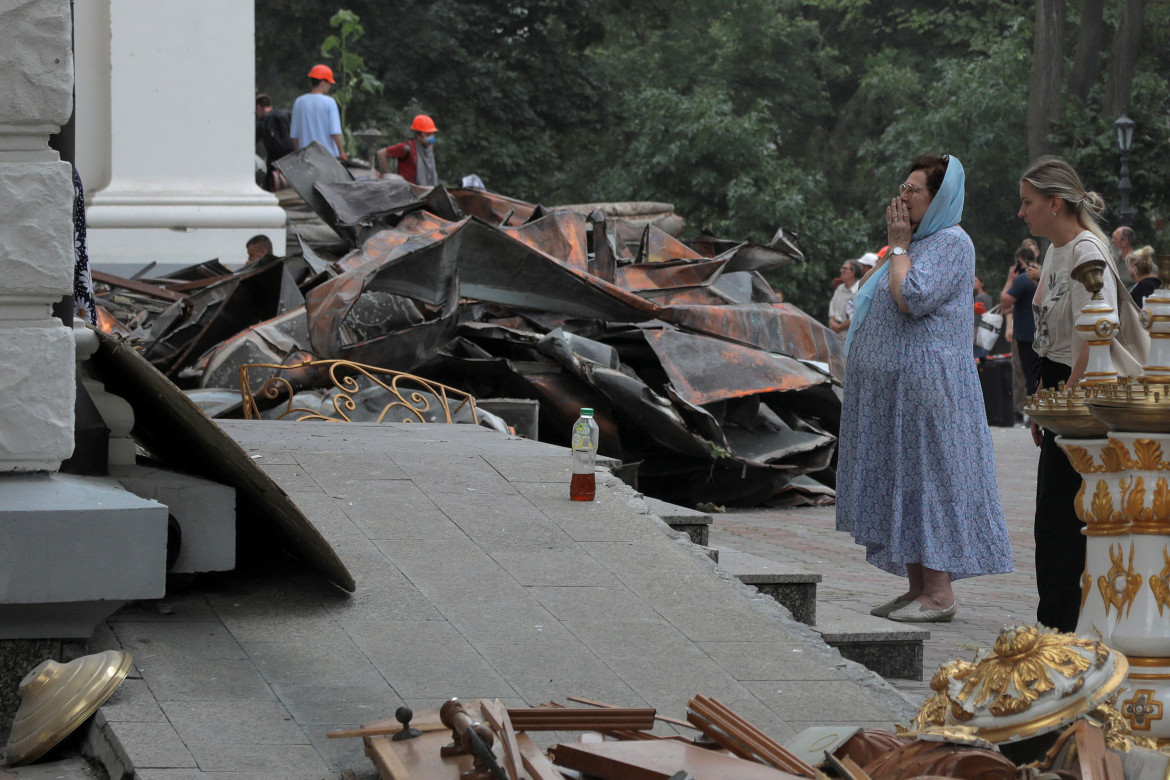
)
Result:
{"points": [[692, 522], [792, 586], [887, 647]]}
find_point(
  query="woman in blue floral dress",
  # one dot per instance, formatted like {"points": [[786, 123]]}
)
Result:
{"points": [[916, 472]]}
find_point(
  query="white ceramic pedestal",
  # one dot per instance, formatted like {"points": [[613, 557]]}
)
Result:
{"points": [[1099, 505]]}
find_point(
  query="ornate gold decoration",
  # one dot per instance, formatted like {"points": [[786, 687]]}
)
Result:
{"points": [[1135, 501], [1019, 670], [934, 710], [1160, 583], [1116, 457], [1118, 586], [1079, 503], [1081, 460], [1149, 454], [1118, 735], [1161, 501], [1101, 505], [410, 398], [1141, 709], [1086, 587]]}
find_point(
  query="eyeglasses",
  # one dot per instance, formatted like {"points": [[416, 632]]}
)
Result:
{"points": [[913, 189]]}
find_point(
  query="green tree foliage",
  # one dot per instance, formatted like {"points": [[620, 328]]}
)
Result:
{"points": [[351, 74], [748, 115]]}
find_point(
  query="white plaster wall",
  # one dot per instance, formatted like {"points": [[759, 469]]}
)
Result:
{"points": [[166, 131]]}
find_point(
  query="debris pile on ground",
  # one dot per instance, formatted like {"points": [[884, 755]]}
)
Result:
{"points": [[1038, 705], [697, 370]]}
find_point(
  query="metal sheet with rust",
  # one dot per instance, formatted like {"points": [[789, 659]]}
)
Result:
{"points": [[776, 327], [172, 427], [704, 369]]}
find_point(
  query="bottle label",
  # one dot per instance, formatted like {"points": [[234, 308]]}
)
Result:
{"points": [[582, 441]]}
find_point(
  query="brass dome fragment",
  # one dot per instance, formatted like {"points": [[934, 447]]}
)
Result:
{"points": [[56, 698]]}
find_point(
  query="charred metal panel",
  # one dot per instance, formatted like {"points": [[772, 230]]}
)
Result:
{"points": [[703, 369]]}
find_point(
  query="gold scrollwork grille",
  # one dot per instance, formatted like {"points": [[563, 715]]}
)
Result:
{"points": [[409, 398]]}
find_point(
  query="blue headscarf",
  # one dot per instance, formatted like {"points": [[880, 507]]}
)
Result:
{"points": [[944, 211]]}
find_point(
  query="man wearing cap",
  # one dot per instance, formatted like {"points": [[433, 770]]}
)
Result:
{"points": [[315, 116], [416, 157]]}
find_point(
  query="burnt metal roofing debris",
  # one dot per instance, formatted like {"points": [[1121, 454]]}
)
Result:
{"points": [[697, 370]]}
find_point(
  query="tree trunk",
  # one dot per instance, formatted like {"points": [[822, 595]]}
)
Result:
{"points": [[1084, 70], [1045, 81], [1121, 64]]}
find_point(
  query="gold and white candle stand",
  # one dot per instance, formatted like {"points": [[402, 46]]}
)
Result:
{"points": [[1099, 505], [1097, 324], [1156, 319]]}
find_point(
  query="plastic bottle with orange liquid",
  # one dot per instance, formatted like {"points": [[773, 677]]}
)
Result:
{"points": [[585, 434]]}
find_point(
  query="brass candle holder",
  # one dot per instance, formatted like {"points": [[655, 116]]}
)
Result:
{"points": [[1156, 320], [1098, 324]]}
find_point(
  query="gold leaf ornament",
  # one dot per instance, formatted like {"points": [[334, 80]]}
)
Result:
{"points": [[1101, 505], [1115, 457], [934, 710], [1081, 460], [1149, 454], [1022, 667], [1159, 584]]}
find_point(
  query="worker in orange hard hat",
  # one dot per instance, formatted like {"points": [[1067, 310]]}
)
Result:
{"points": [[315, 116], [416, 157]]}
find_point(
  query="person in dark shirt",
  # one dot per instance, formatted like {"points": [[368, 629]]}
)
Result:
{"points": [[272, 130], [1017, 297], [1141, 270]]}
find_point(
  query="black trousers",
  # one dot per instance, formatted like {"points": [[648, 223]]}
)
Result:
{"points": [[1030, 362], [1060, 545]]}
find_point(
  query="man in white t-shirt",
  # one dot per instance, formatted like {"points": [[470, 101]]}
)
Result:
{"points": [[315, 116]]}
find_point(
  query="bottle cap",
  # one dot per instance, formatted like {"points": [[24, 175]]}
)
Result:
{"points": [[585, 412]]}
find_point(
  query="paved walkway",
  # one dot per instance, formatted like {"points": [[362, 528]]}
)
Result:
{"points": [[476, 577], [808, 537]]}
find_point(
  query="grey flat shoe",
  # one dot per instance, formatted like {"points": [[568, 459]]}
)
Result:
{"points": [[885, 609], [918, 613]]}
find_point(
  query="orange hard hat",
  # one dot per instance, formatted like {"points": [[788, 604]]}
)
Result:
{"points": [[423, 124], [323, 72]]}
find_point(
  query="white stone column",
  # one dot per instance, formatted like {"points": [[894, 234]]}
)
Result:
{"points": [[166, 132], [36, 237]]}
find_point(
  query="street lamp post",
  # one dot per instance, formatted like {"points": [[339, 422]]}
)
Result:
{"points": [[1123, 130]]}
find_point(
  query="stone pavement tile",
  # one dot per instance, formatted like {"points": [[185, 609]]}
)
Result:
{"points": [[428, 658], [328, 703], [329, 661], [796, 700], [335, 471], [392, 509], [609, 517], [552, 566], [746, 661], [554, 671], [385, 596], [195, 639], [507, 522], [173, 608], [612, 639], [596, 606], [234, 723], [257, 622], [173, 677], [289, 759], [344, 755], [454, 472], [556, 468], [292, 479], [527, 622], [332, 522], [432, 563], [263, 459], [132, 701], [153, 745]]}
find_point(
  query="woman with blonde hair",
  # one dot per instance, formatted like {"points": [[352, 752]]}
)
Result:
{"points": [[1141, 270], [1056, 206]]}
